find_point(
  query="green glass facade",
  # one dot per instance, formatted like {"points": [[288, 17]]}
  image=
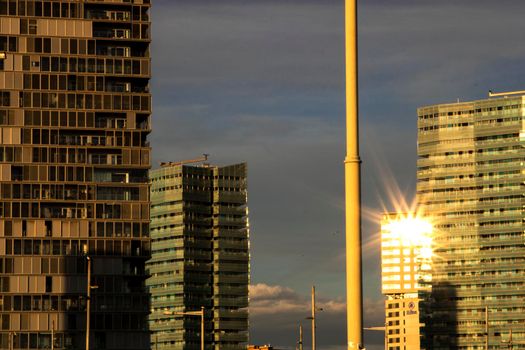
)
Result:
{"points": [[200, 256], [471, 183]]}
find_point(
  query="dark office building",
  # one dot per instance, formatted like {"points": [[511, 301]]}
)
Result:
{"points": [[200, 256], [74, 115]]}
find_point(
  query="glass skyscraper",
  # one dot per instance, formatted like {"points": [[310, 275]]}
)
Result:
{"points": [[200, 256], [471, 178], [74, 115]]}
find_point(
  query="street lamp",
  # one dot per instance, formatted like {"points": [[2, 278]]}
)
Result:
{"points": [[300, 342], [53, 335], [380, 329], [313, 317], [88, 299], [191, 313]]}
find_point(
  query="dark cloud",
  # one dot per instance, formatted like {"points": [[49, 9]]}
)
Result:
{"points": [[427, 53], [265, 45]]}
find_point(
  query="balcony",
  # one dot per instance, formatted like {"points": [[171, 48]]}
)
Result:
{"points": [[108, 15], [112, 33]]}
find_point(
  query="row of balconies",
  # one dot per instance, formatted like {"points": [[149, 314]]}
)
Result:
{"points": [[235, 279], [239, 211], [228, 244], [467, 180], [96, 102], [112, 8], [231, 257], [230, 197], [229, 267], [230, 233]]}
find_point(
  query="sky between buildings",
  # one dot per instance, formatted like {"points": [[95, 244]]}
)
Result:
{"points": [[262, 81]]}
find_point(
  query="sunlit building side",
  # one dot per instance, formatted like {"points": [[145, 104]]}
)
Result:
{"points": [[200, 256], [75, 110], [405, 270], [471, 179]]}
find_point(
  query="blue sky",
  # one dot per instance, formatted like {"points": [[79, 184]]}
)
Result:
{"points": [[262, 81]]}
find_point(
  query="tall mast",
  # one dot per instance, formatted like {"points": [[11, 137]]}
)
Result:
{"points": [[352, 185]]}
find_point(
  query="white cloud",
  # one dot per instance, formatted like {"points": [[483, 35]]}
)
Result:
{"points": [[276, 312], [269, 300]]}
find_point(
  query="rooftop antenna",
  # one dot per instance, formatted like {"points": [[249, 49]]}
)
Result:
{"points": [[189, 161]]}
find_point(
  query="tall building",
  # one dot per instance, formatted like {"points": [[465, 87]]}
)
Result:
{"points": [[74, 116], [405, 270], [471, 181], [200, 256]]}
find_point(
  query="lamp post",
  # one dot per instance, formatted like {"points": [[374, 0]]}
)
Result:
{"points": [[88, 301], [191, 313], [354, 308], [486, 328], [88, 290], [313, 317], [380, 329], [300, 342]]}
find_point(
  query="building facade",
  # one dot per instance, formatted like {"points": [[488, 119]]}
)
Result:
{"points": [[471, 181], [405, 272], [200, 256], [74, 118]]}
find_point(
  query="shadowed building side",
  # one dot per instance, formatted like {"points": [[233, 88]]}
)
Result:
{"points": [[440, 323]]}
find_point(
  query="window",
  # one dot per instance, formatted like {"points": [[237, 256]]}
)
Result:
{"points": [[49, 284]]}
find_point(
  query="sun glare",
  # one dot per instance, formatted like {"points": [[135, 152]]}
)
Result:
{"points": [[411, 231]]}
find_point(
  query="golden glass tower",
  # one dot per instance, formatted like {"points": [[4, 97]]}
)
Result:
{"points": [[74, 115], [405, 270], [471, 180]]}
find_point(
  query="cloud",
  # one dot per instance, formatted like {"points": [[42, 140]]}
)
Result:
{"points": [[276, 312], [270, 300]]}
